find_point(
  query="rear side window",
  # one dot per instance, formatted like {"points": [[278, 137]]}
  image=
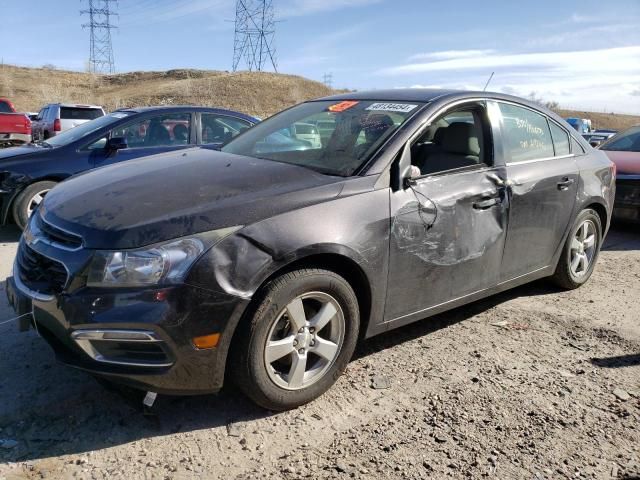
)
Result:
{"points": [[74, 113], [4, 108], [526, 134], [560, 139]]}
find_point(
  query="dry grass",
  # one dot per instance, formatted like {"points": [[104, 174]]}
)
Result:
{"points": [[259, 94]]}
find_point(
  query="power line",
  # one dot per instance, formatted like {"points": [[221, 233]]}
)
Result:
{"points": [[254, 35], [100, 26]]}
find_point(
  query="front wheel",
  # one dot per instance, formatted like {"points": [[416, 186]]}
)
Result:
{"points": [[580, 251], [28, 200], [299, 339]]}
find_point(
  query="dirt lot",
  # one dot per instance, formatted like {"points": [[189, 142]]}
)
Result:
{"points": [[534, 383]]}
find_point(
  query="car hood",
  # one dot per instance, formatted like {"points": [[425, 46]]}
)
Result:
{"points": [[626, 162], [161, 197], [12, 153]]}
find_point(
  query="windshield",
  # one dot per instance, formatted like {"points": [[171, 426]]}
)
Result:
{"points": [[332, 137], [628, 141], [76, 133]]}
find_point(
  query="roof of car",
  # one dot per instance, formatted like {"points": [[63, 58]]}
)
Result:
{"points": [[73, 105], [427, 95], [181, 108], [396, 95]]}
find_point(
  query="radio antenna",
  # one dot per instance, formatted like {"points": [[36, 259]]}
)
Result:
{"points": [[488, 82]]}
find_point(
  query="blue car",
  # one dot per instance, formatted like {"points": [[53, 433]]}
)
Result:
{"points": [[28, 172]]}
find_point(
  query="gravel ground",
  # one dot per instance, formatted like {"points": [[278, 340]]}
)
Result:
{"points": [[533, 383]]}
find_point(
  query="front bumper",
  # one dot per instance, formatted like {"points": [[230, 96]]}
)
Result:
{"points": [[627, 203], [172, 316]]}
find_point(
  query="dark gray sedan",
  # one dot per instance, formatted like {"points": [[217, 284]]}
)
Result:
{"points": [[268, 264]]}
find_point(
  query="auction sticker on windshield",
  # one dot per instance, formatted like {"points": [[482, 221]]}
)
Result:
{"points": [[392, 107], [342, 106]]}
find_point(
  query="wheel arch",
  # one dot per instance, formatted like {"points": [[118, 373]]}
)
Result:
{"points": [[338, 263], [8, 208]]}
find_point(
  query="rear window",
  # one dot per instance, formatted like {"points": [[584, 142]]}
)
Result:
{"points": [[5, 108], [627, 141], [75, 113]]}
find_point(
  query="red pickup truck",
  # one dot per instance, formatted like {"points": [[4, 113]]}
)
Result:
{"points": [[15, 128]]}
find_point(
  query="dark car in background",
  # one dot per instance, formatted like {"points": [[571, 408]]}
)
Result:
{"points": [[28, 172], [624, 151], [268, 264]]}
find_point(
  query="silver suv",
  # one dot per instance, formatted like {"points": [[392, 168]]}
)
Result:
{"points": [[58, 117]]}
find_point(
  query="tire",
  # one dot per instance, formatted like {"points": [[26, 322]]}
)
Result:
{"points": [[275, 320], [46, 136], [24, 202], [571, 272]]}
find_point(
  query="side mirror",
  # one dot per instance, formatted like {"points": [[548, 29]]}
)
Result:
{"points": [[117, 143], [401, 174]]}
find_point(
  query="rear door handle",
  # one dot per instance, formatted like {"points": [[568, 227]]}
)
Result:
{"points": [[565, 183]]}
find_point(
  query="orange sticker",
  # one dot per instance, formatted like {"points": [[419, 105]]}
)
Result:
{"points": [[342, 106]]}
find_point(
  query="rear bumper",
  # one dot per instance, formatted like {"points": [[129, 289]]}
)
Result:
{"points": [[15, 138], [170, 318]]}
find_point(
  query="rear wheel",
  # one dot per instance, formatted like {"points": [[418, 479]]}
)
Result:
{"points": [[580, 251], [28, 200], [299, 339]]}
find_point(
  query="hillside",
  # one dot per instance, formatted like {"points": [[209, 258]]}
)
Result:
{"points": [[259, 94]]}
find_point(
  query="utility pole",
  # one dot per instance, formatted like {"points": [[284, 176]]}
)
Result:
{"points": [[327, 79], [254, 35], [100, 26]]}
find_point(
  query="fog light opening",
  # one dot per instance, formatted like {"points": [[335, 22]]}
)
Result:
{"points": [[206, 341]]}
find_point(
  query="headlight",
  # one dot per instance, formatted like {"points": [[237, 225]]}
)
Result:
{"points": [[161, 264]]}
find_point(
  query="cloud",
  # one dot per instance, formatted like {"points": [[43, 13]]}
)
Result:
{"points": [[617, 59], [299, 8], [595, 79], [449, 54]]}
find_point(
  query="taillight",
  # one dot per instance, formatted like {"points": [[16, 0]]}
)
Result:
{"points": [[27, 125], [56, 125], [614, 169]]}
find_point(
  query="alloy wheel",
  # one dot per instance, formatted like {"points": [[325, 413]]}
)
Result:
{"points": [[304, 341], [583, 248], [35, 201]]}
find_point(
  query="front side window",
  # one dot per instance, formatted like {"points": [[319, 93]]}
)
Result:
{"points": [[221, 128], [526, 134], [453, 141], [560, 140], [628, 141], [158, 131], [332, 137]]}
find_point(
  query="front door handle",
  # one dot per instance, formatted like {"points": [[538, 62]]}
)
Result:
{"points": [[565, 183], [485, 204]]}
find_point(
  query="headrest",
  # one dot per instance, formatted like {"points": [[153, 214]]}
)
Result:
{"points": [[461, 138]]}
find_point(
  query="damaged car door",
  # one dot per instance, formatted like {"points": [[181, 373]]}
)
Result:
{"points": [[448, 221], [543, 180]]}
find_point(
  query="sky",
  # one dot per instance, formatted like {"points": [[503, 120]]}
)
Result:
{"points": [[581, 54]]}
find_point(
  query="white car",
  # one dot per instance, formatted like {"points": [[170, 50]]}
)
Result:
{"points": [[58, 117], [307, 132]]}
